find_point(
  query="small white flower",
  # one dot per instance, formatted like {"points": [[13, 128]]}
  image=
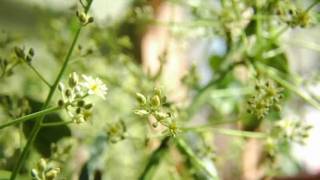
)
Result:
{"points": [[94, 86]]}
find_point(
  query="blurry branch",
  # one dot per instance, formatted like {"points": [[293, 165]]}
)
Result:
{"points": [[187, 151], [29, 116], [154, 160], [276, 76]]}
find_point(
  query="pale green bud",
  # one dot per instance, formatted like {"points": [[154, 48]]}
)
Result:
{"points": [[34, 174], [157, 91], [19, 52], [73, 79], [42, 164], [141, 98], [141, 112], [52, 174], [155, 101]]}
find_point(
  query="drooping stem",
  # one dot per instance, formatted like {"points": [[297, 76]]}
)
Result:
{"points": [[29, 116], [37, 126]]}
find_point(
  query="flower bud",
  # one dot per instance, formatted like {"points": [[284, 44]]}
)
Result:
{"points": [[161, 115], [82, 17], [42, 164], [80, 103], [90, 19], [31, 52], [19, 52], [88, 106], [52, 174], [155, 101], [73, 79], [141, 98], [68, 93], [60, 86], [155, 124], [78, 110], [141, 112], [60, 103], [34, 174], [157, 91]]}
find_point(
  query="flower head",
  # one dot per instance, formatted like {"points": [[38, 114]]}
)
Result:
{"points": [[94, 86]]}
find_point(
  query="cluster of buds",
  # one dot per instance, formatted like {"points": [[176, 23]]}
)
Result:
{"points": [[20, 53], [73, 97], [290, 14], [292, 131], [285, 132], [116, 131], [15, 107], [60, 152], [267, 95], [156, 106], [44, 171], [84, 18]]}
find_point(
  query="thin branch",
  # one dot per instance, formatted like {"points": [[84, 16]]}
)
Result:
{"points": [[38, 74], [29, 116]]}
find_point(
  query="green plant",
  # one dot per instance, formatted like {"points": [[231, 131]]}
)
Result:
{"points": [[79, 130]]}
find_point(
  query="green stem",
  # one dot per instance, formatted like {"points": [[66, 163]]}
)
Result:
{"points": [[56, 123], [154, 160], [37, 126], [38, 74], [29, 116], [185, 149], [238, 133], [230, 132]]}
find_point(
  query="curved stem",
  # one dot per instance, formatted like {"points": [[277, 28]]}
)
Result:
{"points": [[37, 126], [29, 116]]}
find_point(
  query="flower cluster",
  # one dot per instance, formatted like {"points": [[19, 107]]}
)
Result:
{"points": [[44, 171], [285, 132], [60, 151], [267, 95], [293, 131], [156, 106], [22, 55], [73, 97], [116, 131], [84, 18], [290, 14]]}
